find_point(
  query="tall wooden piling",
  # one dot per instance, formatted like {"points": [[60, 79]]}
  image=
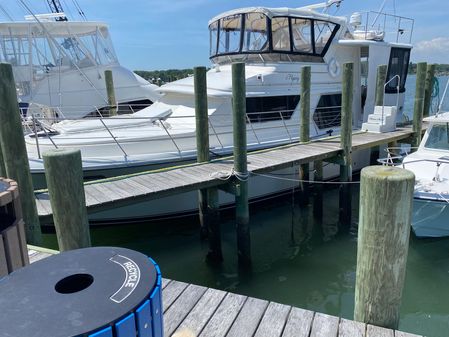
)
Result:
{"points": [[240, 162], [110, 92], [14, 152], [304, 136], [386, 195], [379, 101], [380, 84], [207, 198], [418, 109], [428, 88], [346, 143], [64, 175]]}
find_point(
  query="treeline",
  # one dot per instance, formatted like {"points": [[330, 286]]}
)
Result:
{"points": [[441, 69], [164, 76]]}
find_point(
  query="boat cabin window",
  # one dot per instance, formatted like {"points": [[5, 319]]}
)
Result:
{"points": [[255, 36], [397, 67], [438, 138], [268, 109], [256, 33], [230, 30], [328, 111]]}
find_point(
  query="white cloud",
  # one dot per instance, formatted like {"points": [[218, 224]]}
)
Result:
{"points": [[435, 50]]}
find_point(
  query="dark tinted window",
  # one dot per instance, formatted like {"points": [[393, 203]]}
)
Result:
{"points": [[399, 60], [328, 111], [266, 109]]}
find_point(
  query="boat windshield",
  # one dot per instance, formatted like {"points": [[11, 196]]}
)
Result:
{"points": [[297, 39], [56, 44], [438, 138], [38, 50]]}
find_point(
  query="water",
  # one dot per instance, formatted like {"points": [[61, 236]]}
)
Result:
{"points": [[295, 262]]}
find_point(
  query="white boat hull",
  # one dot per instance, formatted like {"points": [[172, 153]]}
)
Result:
{"points": [[430, 218]]}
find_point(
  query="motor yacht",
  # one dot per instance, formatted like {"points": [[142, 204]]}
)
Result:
{"points": [[59, 64], [274, 43]]}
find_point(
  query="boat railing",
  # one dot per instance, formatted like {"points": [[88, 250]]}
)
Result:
{"points": [[397, 28], [398, 81], [264, 129], [396, 155]]}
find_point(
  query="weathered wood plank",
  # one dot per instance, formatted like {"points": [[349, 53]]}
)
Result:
{"points": [[299, 323], [225, 315], [3, 262], [273, 321], [181, 308], [349, 328], [12, 248], [249, 318], [172, 292], [202, 312], [376, 331], [324, 326], [173, 181]]}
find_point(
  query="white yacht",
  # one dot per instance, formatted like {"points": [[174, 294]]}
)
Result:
{"points": [[59, 68], [274, 43]]}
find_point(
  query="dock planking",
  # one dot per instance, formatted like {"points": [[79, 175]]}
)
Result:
{"points": [[196, 311], [124, 191]]}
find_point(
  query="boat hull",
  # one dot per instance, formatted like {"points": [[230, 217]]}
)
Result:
{"points": [[430, 218]]}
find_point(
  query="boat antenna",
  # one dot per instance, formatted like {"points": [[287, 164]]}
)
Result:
{"points": [[442, 98], [3, 9], [325, 5]]}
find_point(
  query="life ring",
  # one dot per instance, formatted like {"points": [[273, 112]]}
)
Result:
{"points": [[333, 67]]}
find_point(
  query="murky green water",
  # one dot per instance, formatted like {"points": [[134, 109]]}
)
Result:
{"points": [[296, 262]]}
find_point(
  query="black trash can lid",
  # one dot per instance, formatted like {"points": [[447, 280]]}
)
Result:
{"points": [[75, 292]]}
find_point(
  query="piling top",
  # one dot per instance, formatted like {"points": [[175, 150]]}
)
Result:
{"points": [[60, 152], [8, 191], [387, 173]]}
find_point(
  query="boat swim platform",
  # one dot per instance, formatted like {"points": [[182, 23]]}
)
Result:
{"points": [[121, 191], [206, 312]]}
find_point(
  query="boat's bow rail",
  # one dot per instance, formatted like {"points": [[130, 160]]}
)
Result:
{"points": [[380, 26], [126, 133]]}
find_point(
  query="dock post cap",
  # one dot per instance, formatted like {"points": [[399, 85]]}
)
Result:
{"points": [[59, 152], [387, 172]]}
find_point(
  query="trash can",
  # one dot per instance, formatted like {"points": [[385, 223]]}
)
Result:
{"points": [[101, 292], [13, 247]]}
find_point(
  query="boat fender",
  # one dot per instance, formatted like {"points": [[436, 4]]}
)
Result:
{"points": [[101, 292], [333, 67]]}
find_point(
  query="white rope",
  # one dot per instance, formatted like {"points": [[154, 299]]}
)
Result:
{"points": [[225, 175]]}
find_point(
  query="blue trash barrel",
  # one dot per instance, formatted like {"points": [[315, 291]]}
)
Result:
{"points": [[101, 292]]}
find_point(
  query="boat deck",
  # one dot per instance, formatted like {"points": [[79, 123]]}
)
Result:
{"points": [[123, 191], [195, 311]]}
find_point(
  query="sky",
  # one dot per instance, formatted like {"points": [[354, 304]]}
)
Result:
{"points": [[173, 34]]}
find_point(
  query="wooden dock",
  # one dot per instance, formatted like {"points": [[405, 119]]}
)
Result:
{"points": [[196, 311], [128, 190]]}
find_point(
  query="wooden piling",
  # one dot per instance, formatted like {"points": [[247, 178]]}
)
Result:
{"points": [[14, 152], [428, 88], [346, 143], [2, 165], [386, 195], [240, 162], [305, 130], [64, 175], [110, 92], [380, 84], [418, 110], [207, 198]]}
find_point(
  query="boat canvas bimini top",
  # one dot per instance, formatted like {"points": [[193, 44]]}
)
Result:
{"points": [[61, 64]]}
